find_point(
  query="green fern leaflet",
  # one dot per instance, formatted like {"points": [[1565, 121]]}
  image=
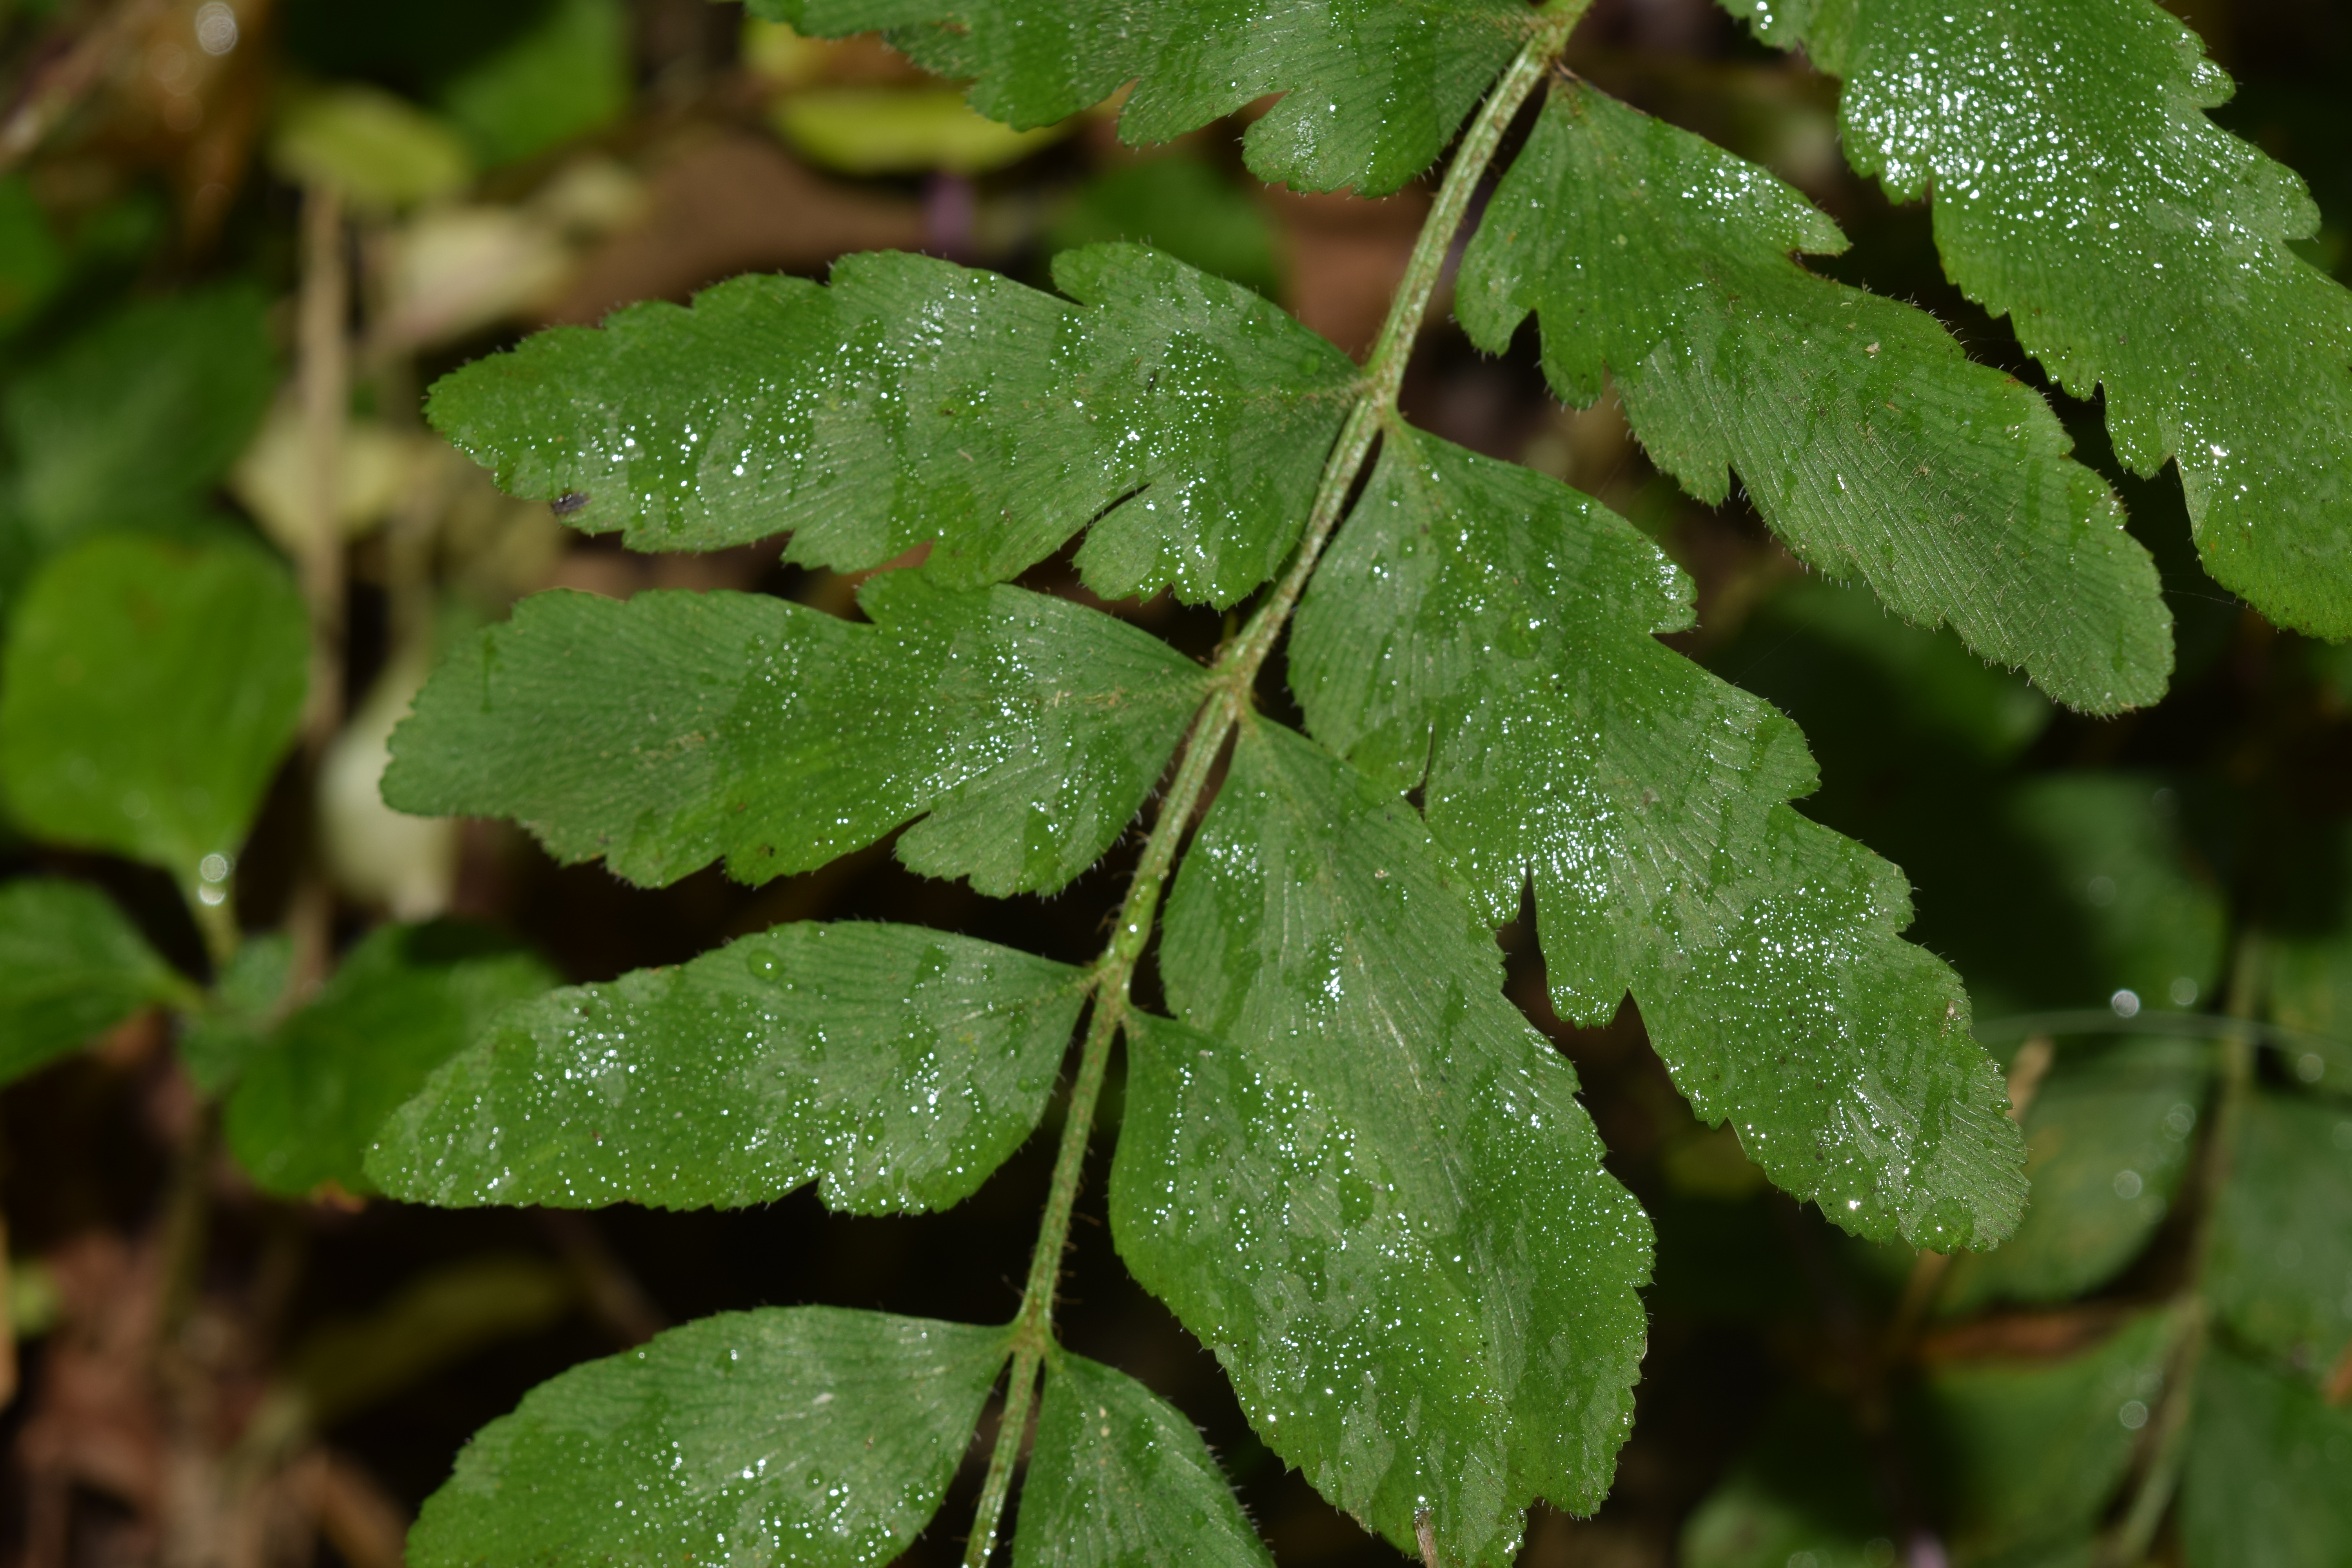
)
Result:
{"points": [[1345, 1162]]}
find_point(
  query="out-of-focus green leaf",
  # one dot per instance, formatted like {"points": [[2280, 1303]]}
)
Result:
{"points": [[1373, 91], [2017, 1460], [569, 73], [2281, 1273], [1860, 430], [1184, 418], [2056, 892], [33, 1301], [439, 1316], [410, 48], [677, 728], [1364, 1181], [71, 967], [2107, 1144], [1947, 695], [862, 130], [2026, 1455], [32, 262], [896, 1065], [131, 422], [1118, 1479], [1484, 622], [804, 1434], [381, 152], [2332, 665], [147, 693], [2136, 247], [2311, 994], [2264, 1483], [405, 1001], [1182, 205], [2111, 843], [1800, 1493], [215, 1044]]}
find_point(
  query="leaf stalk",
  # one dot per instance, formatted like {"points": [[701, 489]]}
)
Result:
{"points": [[1234, 679]]}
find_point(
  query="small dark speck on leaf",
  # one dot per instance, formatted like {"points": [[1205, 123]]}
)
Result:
{"points": [[569, 503]]}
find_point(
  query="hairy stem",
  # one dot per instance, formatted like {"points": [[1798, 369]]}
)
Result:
{"points": [[1032, 1330], [1235, 677], [1384, 369]]}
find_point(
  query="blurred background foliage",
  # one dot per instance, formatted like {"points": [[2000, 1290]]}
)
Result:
{"points": [[235, 237]]}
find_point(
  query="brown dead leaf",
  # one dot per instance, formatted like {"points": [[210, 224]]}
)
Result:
{"points": [[727, 204], [94, 1420], [1347, 256]]}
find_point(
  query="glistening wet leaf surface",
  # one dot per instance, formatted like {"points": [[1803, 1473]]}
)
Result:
{"points": [[910, 400], [405, 1000], [677, 728], [1358, 1176], [1862, 432], [1498, 625], [804, 1434], [1135, 426], [1374, 90], [897, 1066], [2136, 247], [1119, 1478]]}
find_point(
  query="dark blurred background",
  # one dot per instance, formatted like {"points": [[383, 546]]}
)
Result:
{"points": [[510, 163]]}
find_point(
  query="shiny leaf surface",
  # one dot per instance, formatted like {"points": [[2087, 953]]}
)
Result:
{"points": [[677, 728], [1374, 90], [1118, 1479], [71, 967], [147, 694], [896, 1065], [1184, 416], [2263, 1487], [2281, 1274], [1364, 1181], [1856, 424], [802, 1434], [1493, 627], [405, 1000], [2108, 1140], [2138, 249]]}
